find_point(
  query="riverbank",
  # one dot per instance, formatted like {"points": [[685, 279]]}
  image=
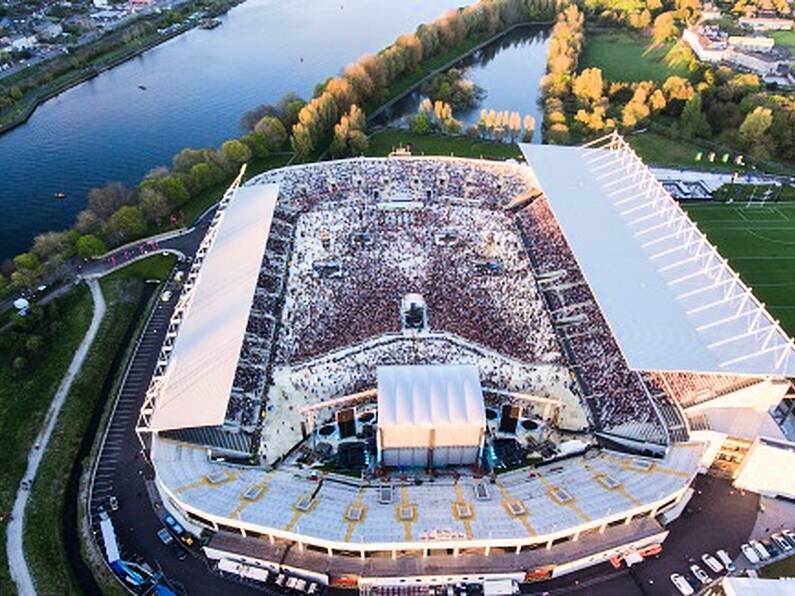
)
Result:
{"points": [[21, 112]]}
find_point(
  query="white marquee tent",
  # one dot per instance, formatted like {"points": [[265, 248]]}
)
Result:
{"points": [[430, 414]]}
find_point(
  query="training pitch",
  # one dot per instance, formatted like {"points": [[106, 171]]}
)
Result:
{"points": [[759, 242]]}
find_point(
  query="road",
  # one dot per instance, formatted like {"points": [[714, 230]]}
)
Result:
{"points": [[16, 557]]}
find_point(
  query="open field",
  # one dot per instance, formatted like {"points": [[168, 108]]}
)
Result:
{"points": [[382, 143], [625, 56], [44, 538], [25, 395], [660, 150], [759, 242], [784, 38]]}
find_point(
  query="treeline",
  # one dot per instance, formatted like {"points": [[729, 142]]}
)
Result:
{"points": [[368, 80]]}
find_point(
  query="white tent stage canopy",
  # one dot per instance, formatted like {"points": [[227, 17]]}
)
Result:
{"points": [[672, 302], [195, 388], [430, 414]]}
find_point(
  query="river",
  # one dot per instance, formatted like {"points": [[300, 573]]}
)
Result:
{"points": [[197, 87]]}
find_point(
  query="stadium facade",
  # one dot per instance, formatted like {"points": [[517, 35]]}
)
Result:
{"points": [[424, 370]]}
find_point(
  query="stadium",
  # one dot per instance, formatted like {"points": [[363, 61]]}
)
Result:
{"points": [[422, 370]]}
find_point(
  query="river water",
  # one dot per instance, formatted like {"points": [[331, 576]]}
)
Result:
{"points": [[197, 87]]}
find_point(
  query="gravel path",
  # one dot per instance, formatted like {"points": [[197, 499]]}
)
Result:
{"points": [[16, 556]]}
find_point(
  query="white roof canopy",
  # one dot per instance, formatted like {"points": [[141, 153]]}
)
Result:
{"points": [[671, 300], [412, 400], [201, 369]]}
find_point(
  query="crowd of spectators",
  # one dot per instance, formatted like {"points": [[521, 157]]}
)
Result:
{"points": [[248, 389], [431, 228], [617, 396]]}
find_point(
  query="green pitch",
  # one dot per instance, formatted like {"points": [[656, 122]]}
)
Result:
{"points": [[759, 242]]}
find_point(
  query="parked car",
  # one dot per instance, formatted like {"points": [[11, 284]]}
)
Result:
{"points": [[712, 563], [165, 536], [771, 547], [789, 535], [781, 542], [280, 579], [166, 296], [760, 550], [114, 503], [179, 552], [724, 558], [750, 553], [681, 584], [699, 574]]}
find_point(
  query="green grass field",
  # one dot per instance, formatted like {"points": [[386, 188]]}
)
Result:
{"points": [[384, 142], [759, 242], [659, 150], [625, 56], [44, 547], [784, 38]]}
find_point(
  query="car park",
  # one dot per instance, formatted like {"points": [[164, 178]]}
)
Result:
{"points": [[180, 552], [724, 558], [712, 563], [165, 536], [760, 550], [789, 535], [750, 553], [681, 584], [699, 574]]}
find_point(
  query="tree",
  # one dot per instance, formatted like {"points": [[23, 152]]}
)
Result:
{"points": [[693, 121], [125, 224], [664, 28], [50, 244], [273, 132], [187, 158], [753, 132], [105, 200], [173, 189], [3, 285], [153, 204], [588, 86], [87, 222], [27, 261], [89, 246], [420, 124], [34, 343], [236, 151]]}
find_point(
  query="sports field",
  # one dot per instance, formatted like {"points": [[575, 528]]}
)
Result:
{"points": [[759, 242], [626, 57]]}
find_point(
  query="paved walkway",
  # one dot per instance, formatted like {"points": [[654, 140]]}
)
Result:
{"points": [[16, 556]]}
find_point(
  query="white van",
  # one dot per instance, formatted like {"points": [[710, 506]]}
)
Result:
{"points": [[726, 560], [750, 554], [760, 549], [681, 584], [712, 563]]}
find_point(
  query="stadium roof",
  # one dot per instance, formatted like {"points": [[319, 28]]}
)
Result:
{"points": [[201, 369], [414, 398], [672, 302]]}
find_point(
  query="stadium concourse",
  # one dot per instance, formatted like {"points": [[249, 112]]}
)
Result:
{"points": [[430, 370]]}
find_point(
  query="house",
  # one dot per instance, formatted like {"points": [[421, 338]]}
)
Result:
{"points": [[101, 3], [766, 23], [20, 43], [751, 44], [706, 43], [48, 30], [710, 12], [761, 63]]}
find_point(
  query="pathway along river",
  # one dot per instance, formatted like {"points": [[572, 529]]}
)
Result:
{"points": [[197, 87]]}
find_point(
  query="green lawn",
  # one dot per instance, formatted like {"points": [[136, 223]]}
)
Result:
{"points": [[657, 149], [759, 242], [783, 568], [44, 542], [624, 56], [784, 38], [382, 143], [25, 396]]}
